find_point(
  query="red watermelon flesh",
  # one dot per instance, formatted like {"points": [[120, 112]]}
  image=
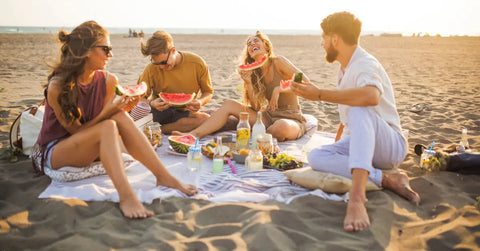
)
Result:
{"points": [[177, 98], [254, 65], [131, 91], [285, 84]]}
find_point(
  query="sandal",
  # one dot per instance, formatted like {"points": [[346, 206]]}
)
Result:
{"points": [[416, 108]]}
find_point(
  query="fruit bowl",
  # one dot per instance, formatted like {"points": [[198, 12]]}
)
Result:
{"points": [[240, 157]]}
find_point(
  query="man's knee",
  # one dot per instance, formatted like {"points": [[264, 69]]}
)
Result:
{"points": [[318, 157]]}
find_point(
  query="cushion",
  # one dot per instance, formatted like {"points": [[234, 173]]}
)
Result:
{"points": [[328, 182], [69, 173]]}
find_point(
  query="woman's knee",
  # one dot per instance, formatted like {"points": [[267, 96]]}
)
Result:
{"points": [[121, 116], [283, 130], [108, 126]]}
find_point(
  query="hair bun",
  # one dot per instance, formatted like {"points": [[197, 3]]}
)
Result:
{"points": [[63, 36]]}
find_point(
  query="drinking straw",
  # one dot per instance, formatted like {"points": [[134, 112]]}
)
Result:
{"points": [[431, 147], [231, 165], [196, 142]]}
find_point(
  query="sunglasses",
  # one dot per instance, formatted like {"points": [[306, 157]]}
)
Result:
{"points": [[164, 62], [105, 48]]}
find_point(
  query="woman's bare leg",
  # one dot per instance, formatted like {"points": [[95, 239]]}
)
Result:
{"points": [[101, 140], [219, 118], [138, 146]]}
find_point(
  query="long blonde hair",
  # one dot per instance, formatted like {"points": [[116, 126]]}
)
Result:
{"points": [[258, 84]]}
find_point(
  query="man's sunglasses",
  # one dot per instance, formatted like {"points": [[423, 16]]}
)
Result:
{"points": [[164, 62], [105, 48]]}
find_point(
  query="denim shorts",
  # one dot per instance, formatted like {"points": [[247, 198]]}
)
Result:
{"points": [[48, 154]]}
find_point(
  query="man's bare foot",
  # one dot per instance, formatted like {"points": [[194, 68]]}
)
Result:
{"points": [[177, 133], [172, 182], [398, 183], [132, 208], [356, 218]]}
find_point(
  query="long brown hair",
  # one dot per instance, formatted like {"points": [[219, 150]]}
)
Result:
{"points": [[73, 55], [257, 79]]}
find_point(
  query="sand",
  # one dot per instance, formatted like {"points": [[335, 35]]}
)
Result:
{"points": [[441, 73]]}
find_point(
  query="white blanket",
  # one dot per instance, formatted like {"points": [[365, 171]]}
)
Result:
{"points": [[244, 186]]}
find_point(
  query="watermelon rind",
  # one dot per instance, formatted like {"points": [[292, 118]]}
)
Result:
{"points": [[140, 89], [179, 146], [167, 97], [254, 65]]}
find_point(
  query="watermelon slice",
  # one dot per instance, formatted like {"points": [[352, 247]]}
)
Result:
{"points": [[285, 84], [254, 65], [181, 143], [131, 91], [177, 98]]}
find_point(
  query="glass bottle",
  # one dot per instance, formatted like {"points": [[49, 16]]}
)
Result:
{"points": [[243, 132], [463, 146], [258, 129], [218, 156], [254, 161], [275, 147]]}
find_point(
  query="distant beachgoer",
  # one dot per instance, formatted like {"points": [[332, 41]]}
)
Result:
{"points": [[371, 139], [82, 122], [141, 33], [282, 115], [130, 34], [174, 71]]}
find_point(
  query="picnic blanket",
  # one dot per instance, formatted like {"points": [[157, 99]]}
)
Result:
{"points": [[244, 186]]}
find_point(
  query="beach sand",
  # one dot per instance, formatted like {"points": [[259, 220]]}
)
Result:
{"points": [[441, 73]]}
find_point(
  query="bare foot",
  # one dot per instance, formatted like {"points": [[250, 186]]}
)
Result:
{"points": [[356, 218], [398, 183], [132, 208], [172, 182], [177, 133]]}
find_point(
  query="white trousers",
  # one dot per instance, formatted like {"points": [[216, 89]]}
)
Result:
{"points": [[371, 145]]}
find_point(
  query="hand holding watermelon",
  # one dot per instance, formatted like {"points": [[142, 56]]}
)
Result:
{"points": [[194, 105]]}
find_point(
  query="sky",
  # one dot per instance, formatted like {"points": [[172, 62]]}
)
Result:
{"points": [[444, 17]]}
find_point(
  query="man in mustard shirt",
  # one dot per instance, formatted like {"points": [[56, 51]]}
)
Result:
{"points": [[172, 71]]}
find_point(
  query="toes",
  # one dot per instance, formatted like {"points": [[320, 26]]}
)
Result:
{"points": [[348, 227]]}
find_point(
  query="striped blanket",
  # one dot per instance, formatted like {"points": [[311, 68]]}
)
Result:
{"points": [[244, 186]]}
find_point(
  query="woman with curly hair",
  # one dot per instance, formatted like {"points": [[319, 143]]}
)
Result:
{"points": [[83, 122], [281, 111]]}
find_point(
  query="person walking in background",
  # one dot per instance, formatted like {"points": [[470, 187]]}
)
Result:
{"points": [[82, 122], [173, 71], [369, 139], [281, 111]]}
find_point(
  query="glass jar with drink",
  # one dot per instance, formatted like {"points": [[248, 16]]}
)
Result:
{"points": [[265, 143], [153, 132]]}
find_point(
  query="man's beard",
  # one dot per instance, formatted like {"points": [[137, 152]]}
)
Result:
{"points": [[332, 54]]}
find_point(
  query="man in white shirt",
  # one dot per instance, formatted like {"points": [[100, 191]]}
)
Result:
{"points": [[369, 137]]}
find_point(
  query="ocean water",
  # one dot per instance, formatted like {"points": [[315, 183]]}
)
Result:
{"points": [[120, 30]]}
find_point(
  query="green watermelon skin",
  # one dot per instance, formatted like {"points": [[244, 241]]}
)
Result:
{"points": [[181, 143], [298, 77], [132, 91]]}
